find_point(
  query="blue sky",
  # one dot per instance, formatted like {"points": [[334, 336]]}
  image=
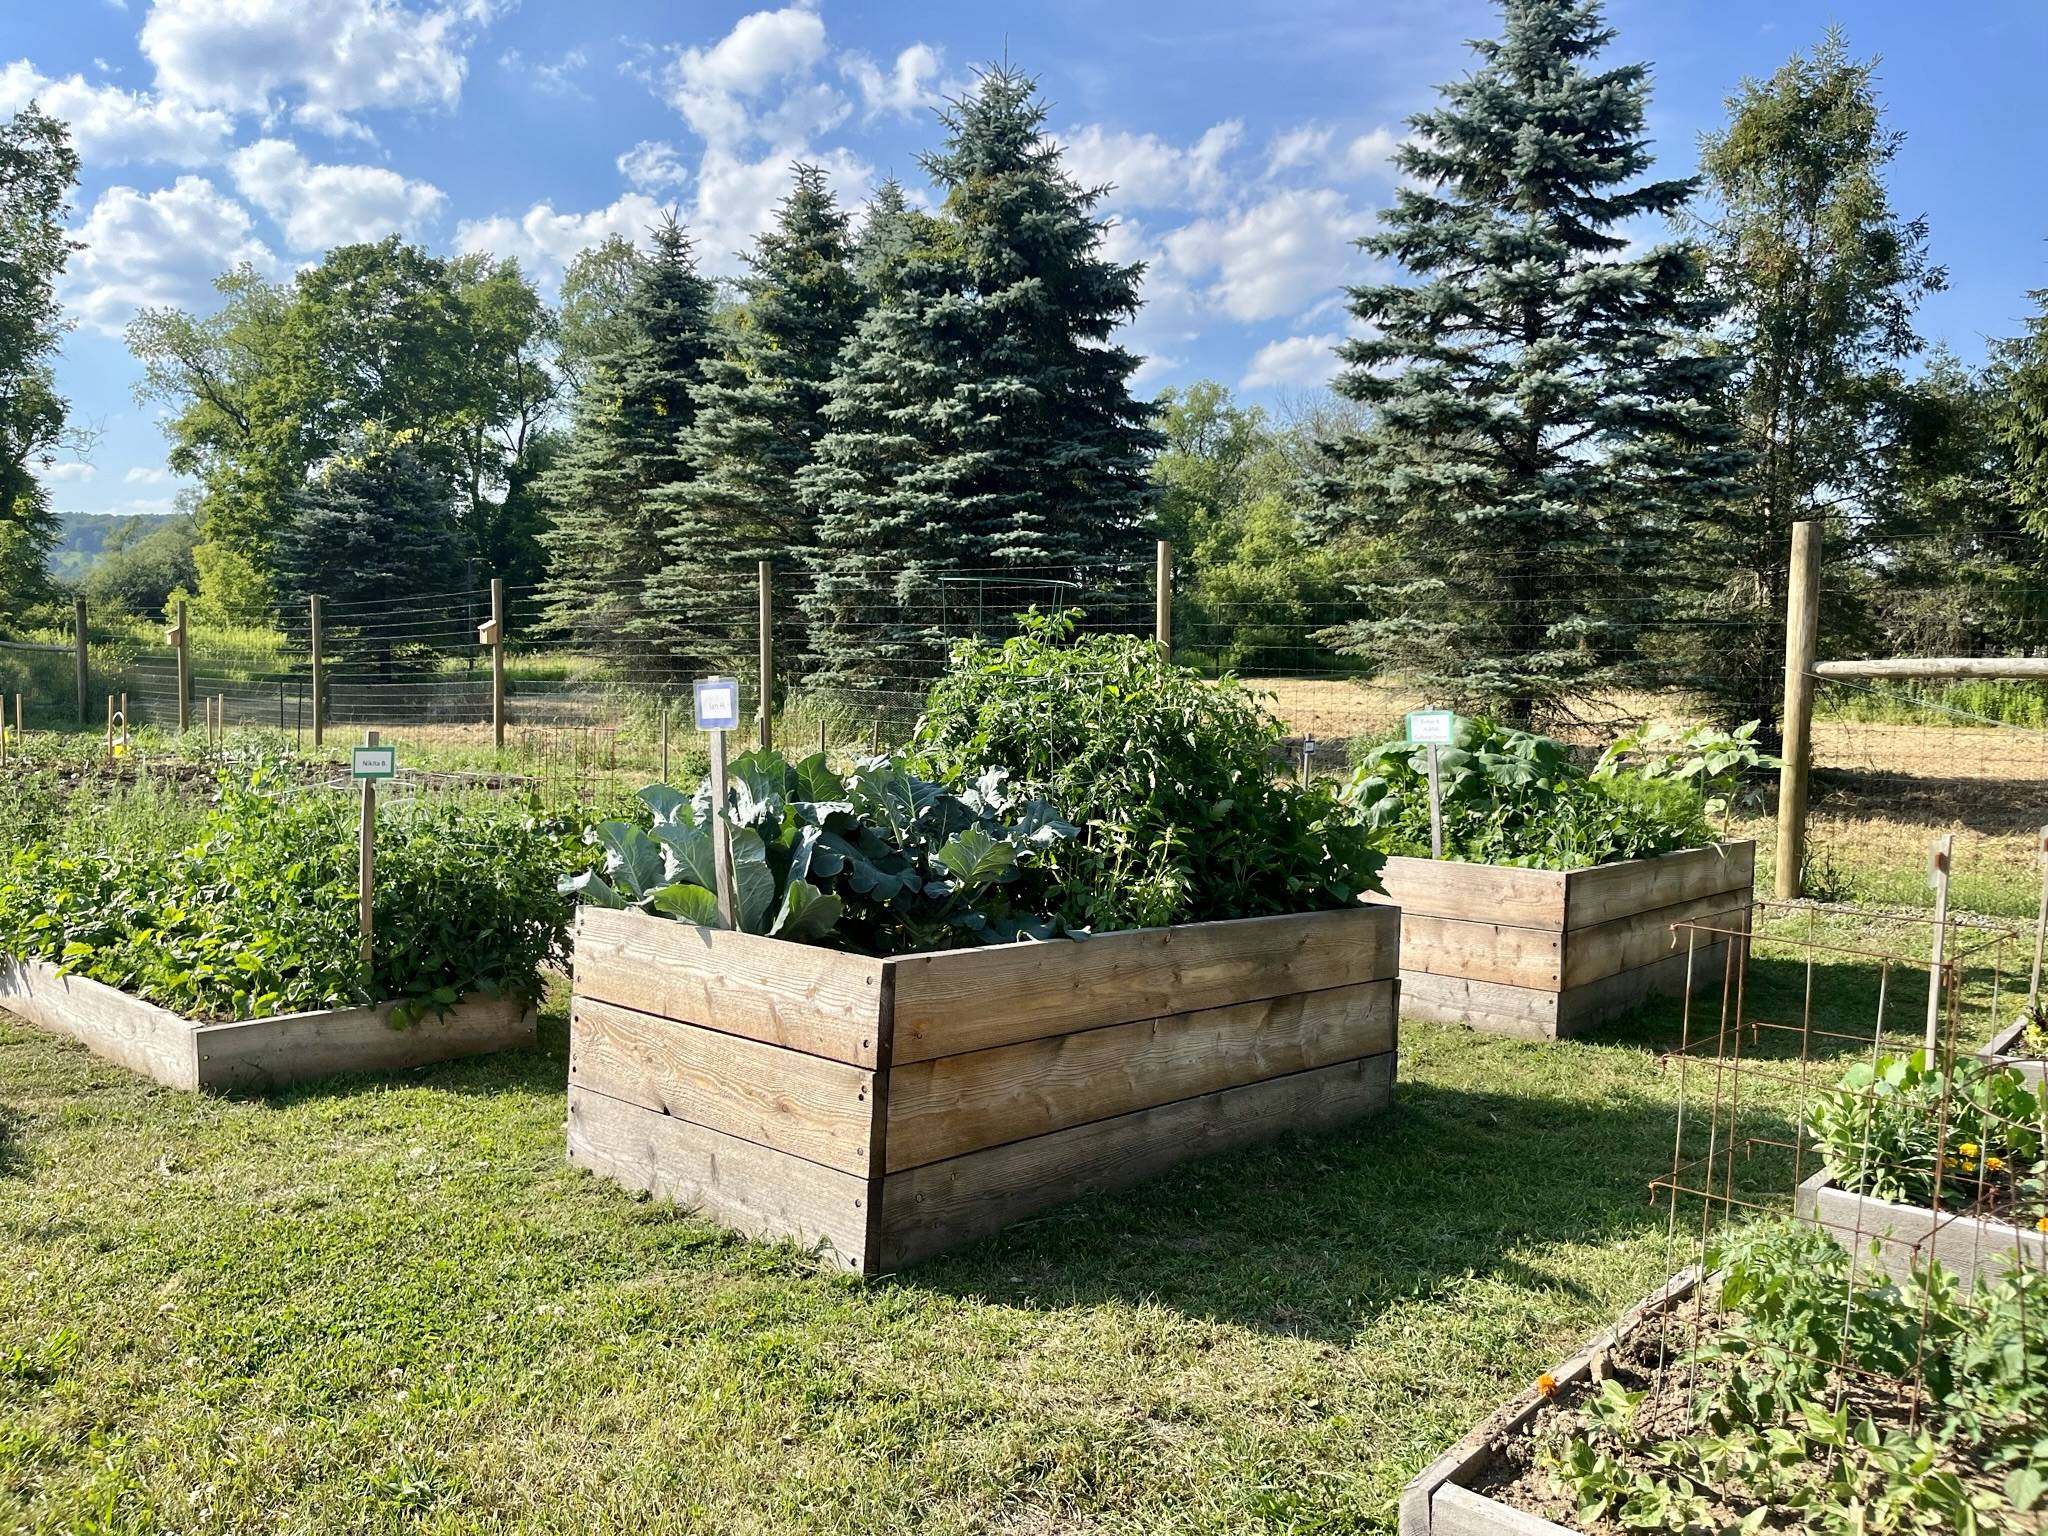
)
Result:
{"points": [[1248, 141]]}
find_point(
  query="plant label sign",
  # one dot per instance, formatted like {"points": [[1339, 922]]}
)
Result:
{"points": [[718, 704], [373, 762], [1431, 727]]}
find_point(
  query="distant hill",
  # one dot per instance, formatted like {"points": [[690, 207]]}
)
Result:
{"points": [[83, 537]]}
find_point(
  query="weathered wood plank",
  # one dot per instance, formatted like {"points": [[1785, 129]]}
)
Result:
{"points": [[941, 1205], [1643, 937], [806, 1105], [1459, 1511], [966, 1000], [290, 1048], [1524, 1013], [793, 995], [952, 1105], [1526, 898], [105, 1020], [753, 1189], [1595, 1002], [1973, 1250], [1496, 952], [1608, 891]]}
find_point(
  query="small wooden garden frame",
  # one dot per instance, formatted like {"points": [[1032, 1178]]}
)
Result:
{"points": [[888, 1109], [1443, 1500], [1970, 1248], [252, 1053], [1542, 953]]}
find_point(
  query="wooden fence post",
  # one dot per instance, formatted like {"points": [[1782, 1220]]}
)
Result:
{"points": [[366, 857], [319, 706], [1942, 865], [84, 660], [493, 635], [765, 577], [1802, 645], [1162, 596], [180, 637]]}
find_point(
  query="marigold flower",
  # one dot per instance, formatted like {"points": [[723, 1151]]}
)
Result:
{"points": [[1968, 1149], [1546, 1384], [2041, 1225], [1995, 1164]]}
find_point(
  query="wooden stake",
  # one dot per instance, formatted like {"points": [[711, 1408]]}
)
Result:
{"points": [[2040, 928], [84, 660], [721, 846], [497, 643], [110, 725], [180, 637], [20, 730], [124, 722], [1944, 857], [764, 575], [1436, 807], [1162, 595], [664, 740], [366, 858], [319, 710], [1802, 646]]}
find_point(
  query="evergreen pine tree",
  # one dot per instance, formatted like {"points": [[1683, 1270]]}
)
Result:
{"points": [[981, 417], [759, 415], [1541, 402], [623, 449]]}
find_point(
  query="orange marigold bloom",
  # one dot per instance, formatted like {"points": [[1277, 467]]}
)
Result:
{"points": [[1546, 1384]]}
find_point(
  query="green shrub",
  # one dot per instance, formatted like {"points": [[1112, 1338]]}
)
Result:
{"points": [[251, 907], [1510, 797], [1168, 776]]}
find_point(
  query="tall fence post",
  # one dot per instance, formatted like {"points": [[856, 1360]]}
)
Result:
{"points": [[1802, 647], [493, 635], [84, 661], [319, 704], [366, 860], [180, 638], [765, 576], [1162, 596]]}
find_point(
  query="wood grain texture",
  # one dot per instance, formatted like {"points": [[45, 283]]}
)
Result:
{"points": [[1595, 1002], [1609, 891], [1525, 898], [805, 1105], [753, 1189], [1496, 952], [971, 999], [793, 995], [1523, 1013], [941, 1205], [1644, 937], [952, 1105], [290, 1048], [1459, 1511], [108, 1022]]}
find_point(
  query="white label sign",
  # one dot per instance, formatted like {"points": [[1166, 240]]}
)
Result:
{"points": [[1431, 727], [373, 762], [718, 704]]}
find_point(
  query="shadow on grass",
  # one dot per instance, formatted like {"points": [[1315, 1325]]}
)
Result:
{"points": [[1313, 1237], [539, 1070], [13, 1160]]}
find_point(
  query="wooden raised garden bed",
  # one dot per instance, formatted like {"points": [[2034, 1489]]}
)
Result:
{"points": [[1970, 1248], [1448, 1499], [1541, 953], [889, 1109], [254, 1053], [2006, 1042]]}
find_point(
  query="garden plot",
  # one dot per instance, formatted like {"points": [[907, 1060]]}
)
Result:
{"points": [[1544, 953], [892, 1108], [259, 1053]]}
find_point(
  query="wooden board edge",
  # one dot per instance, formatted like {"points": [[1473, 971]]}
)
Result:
{"points": [[277, 1051], [1546, 887], [1595, 949], [1735, 858], [1493, 1007], [116, 1026]]}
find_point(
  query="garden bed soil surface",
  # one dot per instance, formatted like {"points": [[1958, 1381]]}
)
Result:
{"points": [[1542, 954], [256, 1054], [890, 1109], [1971, 1244]]}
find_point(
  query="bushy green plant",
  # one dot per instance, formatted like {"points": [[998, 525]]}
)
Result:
{"points": [[1169, 776], [877, 860], [1512, 797], [1709, 761], [252, 908], [1903, 1130], [1782, 1430]]}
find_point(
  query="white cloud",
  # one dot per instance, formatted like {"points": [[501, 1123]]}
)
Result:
{"points": [[911, 85], [1305, 361], [1148, 171], [757, 82], [319, 206], [139, 474], [1298, 146], [653, 165], [556, 79], [323, 59], [163, 247], [545, 241], [70, 472], [1275, 257], [736, 198], [1369, 153], [112, 126]]}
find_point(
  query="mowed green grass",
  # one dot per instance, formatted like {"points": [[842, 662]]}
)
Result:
{"points": [[387, 1304]]}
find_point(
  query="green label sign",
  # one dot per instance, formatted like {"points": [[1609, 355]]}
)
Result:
{"points": [[1431, 727], [373, 762]]}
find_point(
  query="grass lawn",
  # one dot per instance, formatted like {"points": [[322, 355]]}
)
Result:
{"points": [[389, 1305]]}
